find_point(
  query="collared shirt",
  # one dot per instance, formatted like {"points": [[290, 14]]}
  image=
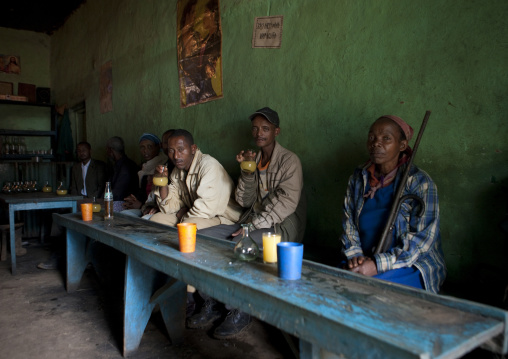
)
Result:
{"points": [[84, 170], [418, 240]]}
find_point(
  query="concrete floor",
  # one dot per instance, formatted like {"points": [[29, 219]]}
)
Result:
{"points": [[39, 319]]}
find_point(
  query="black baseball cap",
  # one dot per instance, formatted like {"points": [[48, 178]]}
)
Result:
{"points": [[269, 114]]}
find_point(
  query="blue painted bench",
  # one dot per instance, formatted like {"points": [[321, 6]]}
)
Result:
{"points": [[335, 313]]}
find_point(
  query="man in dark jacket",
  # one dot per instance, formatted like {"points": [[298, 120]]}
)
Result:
{"points": [[88, 176], [124, 179]]}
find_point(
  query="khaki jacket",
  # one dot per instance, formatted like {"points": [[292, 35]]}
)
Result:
{"points": [[284, 208], [207, 190]]}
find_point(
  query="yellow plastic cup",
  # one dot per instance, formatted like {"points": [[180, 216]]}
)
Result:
{"points": [[187, 237], [86, 211], [270, 241]]}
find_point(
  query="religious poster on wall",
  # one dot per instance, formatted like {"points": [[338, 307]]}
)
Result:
{"points": [[10, 64], [199, 46], [106, 88]]}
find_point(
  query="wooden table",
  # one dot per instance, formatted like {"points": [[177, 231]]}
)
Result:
{"points": [[335, 313], [29, 201]]}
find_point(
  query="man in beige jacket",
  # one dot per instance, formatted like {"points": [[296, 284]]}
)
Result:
{"points": [[201, 191]]}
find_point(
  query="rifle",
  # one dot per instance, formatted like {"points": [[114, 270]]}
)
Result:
{"points": [[386, 236]]}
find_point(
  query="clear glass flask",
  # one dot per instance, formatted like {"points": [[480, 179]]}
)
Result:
{"points": [[246, 249]]}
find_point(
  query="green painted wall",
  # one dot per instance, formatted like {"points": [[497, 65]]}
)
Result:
{"points": [[342, 64]]}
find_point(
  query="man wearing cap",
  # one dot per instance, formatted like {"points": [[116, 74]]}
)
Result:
{"points": [[274, 198], [142, 204], [273, 193]]}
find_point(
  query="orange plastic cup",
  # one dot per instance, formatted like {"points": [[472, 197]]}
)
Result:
{"points": [[86, 211], [187, 237]]}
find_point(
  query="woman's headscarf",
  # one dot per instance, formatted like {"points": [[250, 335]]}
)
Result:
{"points": [[150, 137], [408, 130]]}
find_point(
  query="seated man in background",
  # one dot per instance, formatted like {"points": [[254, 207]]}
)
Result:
{"points": [[142, 204], [88, 176], [164, 145], [124, 177]]}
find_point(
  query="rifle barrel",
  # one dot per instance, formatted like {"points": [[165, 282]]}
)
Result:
{"points": [[385, 240]]}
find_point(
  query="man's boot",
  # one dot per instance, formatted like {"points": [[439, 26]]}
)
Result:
{"points": [[235, 323], [209, 313]]}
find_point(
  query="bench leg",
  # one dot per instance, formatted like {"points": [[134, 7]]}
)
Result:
{"points": [[77, 258], [144, 289]]}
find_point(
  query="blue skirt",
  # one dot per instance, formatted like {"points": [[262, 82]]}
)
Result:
{"points": [[409, 276]]}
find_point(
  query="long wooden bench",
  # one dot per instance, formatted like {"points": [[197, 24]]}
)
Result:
{"points": [[335, 313]]}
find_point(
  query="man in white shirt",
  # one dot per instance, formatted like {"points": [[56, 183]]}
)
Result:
{"points": [[88, 177]]}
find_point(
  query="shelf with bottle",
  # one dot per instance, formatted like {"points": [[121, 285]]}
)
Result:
{"points": [[17, 150]]}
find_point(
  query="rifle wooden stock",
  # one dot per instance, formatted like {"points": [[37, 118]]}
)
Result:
{"points": [[386, 236]]}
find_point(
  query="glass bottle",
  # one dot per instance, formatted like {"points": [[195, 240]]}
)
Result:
{"points": [[7, 188], [47, 187], [246, 249], [34, 186], [14, 146], [22, 146], [27, 186], [108, 202], [7, 145]]}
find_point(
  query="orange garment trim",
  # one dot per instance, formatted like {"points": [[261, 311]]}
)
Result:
{"points": [[261, 168]]}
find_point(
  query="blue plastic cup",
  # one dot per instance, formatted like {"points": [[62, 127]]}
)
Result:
{"points": [[290, 256]]}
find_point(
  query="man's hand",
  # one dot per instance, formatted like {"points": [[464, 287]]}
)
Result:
{"points": [[131, 202], [362, 265], [163, 170], [237, 233], [150, 210], [181, 213], [245, 154]]}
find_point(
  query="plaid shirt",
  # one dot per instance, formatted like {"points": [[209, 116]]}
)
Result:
{"points": [[418, 241]]}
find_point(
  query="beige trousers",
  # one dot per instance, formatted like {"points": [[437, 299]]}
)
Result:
{"points": [[171, 220]]}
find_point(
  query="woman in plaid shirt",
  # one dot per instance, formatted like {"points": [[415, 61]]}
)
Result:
{"points": [[415, 257]]}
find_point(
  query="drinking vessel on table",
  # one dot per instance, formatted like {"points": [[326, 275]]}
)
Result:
{"points": [[290, 256], [108, 201], [246, 249], [86, 211], [160, 179], [187, 237], [270, 241], [61, 189], [249, 161], [47, 187], [96, 207]]}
